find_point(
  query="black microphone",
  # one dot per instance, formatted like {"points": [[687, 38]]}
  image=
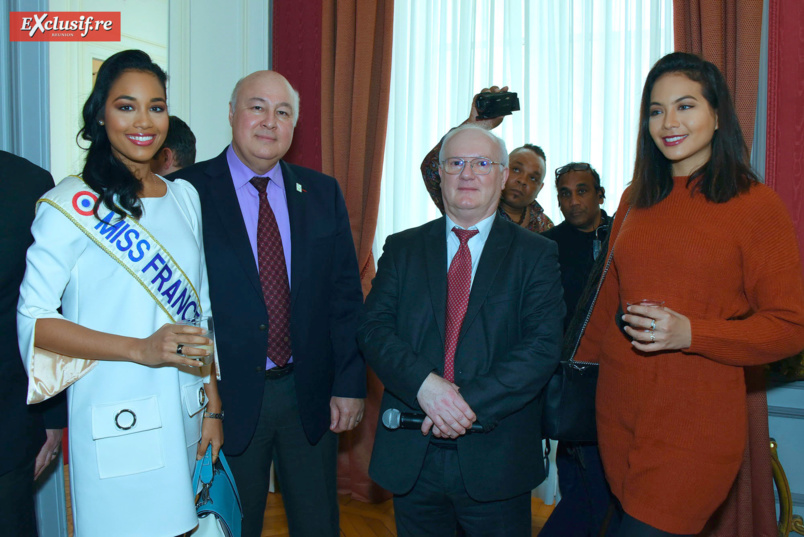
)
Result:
{"points": [[394, 419]]}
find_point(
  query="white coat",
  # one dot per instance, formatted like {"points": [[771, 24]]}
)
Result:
{"points": [[124, 481]]}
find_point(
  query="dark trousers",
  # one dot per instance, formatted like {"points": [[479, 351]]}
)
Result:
{"points": [[17, 516], [631, 527], [306, 472], [585, 496], [439, 501]]}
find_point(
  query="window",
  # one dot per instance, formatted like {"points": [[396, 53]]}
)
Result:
{"points": [[577, 65]]}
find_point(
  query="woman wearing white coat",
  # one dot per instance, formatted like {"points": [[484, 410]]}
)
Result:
{"points": [[120, 251]]}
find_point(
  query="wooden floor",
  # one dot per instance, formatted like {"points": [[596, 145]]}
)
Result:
{"points": [[358, 519]]}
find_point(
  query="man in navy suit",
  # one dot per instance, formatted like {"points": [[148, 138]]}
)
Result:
{"points": [[463, 326], [28, 448], [291, 374]]}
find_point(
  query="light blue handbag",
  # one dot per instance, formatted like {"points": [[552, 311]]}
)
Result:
{"points": [[217, 501]]}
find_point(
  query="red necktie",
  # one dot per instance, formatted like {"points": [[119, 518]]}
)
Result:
{"points": [[459, 283], [273, 278]]}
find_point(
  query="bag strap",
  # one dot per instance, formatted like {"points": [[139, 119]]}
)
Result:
{"points": [[597, 292], [228, 472], [203, 469], [204, 472]]}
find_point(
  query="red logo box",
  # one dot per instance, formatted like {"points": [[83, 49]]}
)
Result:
{"points": [[64, 26]]}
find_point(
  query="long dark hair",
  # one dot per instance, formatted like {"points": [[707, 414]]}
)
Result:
{"points": [[103, 171], [726, 174]]}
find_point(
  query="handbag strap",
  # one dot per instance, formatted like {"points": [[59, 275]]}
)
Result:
{"points": [[229, 474], [597, 292], [204, 471]]}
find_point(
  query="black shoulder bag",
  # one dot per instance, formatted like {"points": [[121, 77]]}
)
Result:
{"points": [[569, 400]]}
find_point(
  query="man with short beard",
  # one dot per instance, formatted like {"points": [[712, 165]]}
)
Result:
{"points": [[582, 243], [581, 235]]}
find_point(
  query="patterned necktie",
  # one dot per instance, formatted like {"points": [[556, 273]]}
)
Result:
{"points": [[273, 278], [459, 283]]}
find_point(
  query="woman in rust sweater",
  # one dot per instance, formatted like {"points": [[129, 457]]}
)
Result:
{"points": [[719, 249]]}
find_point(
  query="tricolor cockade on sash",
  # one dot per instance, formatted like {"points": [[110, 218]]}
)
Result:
{"points": [[137, 251]]}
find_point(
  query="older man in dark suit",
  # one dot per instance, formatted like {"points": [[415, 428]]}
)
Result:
{"points": [[285, 291], [463, 326], [28, 448]]}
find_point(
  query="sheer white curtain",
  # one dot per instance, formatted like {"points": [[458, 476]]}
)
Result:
{"points": [[577, 65]]}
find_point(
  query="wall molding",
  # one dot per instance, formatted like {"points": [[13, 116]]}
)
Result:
{"points": [[796, 497], [179, 55], [797, 385], [785, 412], [203, 72]]}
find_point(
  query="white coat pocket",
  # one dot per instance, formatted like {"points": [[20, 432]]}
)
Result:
{"points": [[128, 437], [195, 400]]}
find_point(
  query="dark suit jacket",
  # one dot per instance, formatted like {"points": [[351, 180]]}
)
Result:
{"points": [[21, 184], [325, 299], [508, 348]]}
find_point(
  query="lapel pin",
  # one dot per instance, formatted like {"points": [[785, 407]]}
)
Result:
{"points": [[299, 188]]}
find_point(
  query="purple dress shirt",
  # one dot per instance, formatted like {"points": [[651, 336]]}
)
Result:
{"points": [[249, 200]]}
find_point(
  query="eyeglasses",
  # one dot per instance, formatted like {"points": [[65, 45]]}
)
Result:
{"points": [[480, 166], [574, 167]]}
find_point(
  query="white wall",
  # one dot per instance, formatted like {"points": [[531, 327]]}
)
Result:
{"points": [[212, 45], [144, 25], [204, 45]]}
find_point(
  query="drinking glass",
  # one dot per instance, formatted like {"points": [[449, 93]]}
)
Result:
{"points": [[207, 324], [648, 303]]}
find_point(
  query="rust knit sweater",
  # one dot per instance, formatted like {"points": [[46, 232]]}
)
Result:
{"points": [[672, 425]]}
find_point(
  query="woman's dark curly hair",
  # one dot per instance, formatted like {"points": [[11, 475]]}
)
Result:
{"points": [[726, 174], [103, 172]]}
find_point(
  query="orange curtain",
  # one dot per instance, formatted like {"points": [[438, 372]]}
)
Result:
{"points": [[726, 33], [356, 41]]}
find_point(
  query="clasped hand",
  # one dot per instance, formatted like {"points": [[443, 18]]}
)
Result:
{"points": [[448, 414], [657, 329]]}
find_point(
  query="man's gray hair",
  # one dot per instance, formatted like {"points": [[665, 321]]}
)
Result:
{"points": [[293, 92], [502, 158]]}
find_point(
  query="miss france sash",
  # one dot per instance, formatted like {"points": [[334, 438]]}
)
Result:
{"points": [[131, 245]]}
